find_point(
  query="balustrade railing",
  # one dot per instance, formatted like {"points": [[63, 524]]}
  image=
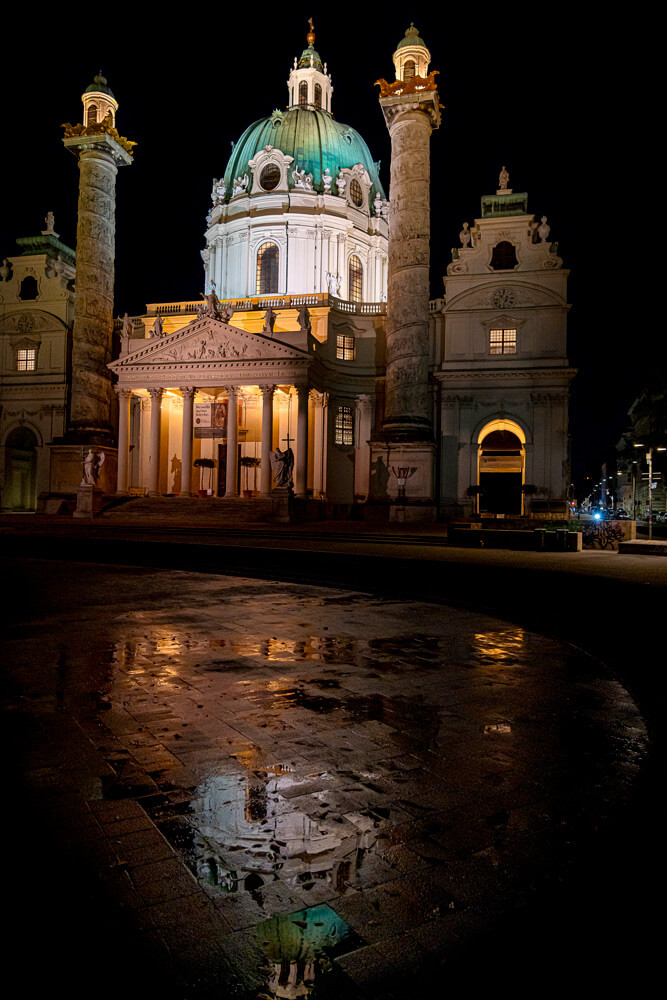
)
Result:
{"points": [[262, 302]]}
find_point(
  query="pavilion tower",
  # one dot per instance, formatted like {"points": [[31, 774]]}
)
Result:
{"points": [[411, 110]]}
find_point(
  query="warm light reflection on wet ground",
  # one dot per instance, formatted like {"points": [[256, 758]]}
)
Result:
{"points": [[332, 788]]}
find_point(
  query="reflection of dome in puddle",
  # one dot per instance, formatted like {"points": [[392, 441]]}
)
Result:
{"points": [[252, 832], [298, 946]]}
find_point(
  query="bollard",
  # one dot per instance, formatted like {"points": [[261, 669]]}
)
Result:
{"points": [[540, 539], [561, 539]]}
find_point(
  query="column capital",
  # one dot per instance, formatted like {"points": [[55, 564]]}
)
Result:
{"points": [[189, 391], [267, 390], [302, 390], [156, 393], [231, 390], [122, 391]]}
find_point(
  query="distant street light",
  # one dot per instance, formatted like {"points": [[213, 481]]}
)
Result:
{"points": [[649, 459]]}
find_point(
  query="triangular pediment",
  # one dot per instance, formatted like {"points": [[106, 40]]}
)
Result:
{"points": [[205, 341]]}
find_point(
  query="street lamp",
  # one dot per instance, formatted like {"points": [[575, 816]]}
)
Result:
{"points": [[649, 459]]}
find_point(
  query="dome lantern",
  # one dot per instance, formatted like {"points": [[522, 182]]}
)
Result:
{"points": [[309, 84], [411, 57], [98, 102]]}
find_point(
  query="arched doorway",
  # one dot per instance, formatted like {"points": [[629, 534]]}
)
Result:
{"points": [[501, 465], [20, 470]]}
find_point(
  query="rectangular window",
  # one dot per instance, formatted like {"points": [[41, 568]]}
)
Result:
{"points": [[344, 347], [502, 342], [26, 359], [345, 425]]}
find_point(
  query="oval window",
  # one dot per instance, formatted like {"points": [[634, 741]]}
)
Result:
{"points": [[356, 194], [270, 177]]}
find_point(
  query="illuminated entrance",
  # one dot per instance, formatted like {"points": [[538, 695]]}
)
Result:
{"points": [[501, 467]]}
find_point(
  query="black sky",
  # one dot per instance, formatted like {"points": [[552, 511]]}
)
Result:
{"points": [[558, 94]]}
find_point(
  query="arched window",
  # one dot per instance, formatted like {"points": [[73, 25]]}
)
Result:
{"points": [[267, 269], [29, 289], [345, 425], [303, 94], [355, 279], [409, 70], [318, 96], [503, 257], [92, 115]]}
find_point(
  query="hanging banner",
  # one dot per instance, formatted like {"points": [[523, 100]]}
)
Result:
{"points": [[210, 419]]}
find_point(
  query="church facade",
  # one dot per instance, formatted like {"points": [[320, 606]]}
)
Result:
{"points": [[287, 357]]}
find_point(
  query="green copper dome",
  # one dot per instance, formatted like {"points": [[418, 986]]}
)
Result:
{"points": [[411, 38], [313, 138], [99, 86]]}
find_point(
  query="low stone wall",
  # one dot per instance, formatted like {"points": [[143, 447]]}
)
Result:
{"points": [[605, 534]]}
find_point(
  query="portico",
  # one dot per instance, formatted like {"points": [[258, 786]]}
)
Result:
{"points": [[219, 393]]}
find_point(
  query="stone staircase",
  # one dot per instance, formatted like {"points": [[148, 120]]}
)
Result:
{"points": [[210, 510]]}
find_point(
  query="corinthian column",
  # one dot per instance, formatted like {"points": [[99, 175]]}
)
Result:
{"points": [[186, 441], [231, 489]]}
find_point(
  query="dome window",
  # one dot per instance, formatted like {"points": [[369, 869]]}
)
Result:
{"points": [[267, 269], [91, 117], [303, 94], [409, 70], [269, 178], [318, 96], [356, 193], [503, 257], [355, 279]]}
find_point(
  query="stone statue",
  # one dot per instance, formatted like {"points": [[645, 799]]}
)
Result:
{"points": [[465, 236], [5, 270], [92, 463], [270, 317], [327, 181], [377, 204], [157, 329], [543, 230], [503, 180], [333, 282], [226, 312], [240, 184], [341, 183], [282, 463], [126, 331], [304, 319], [211, 307], [50, 222], [302, 180], [218, 191]]}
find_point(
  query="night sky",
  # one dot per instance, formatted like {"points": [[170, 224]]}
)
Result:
{"points": [[557, 95]]}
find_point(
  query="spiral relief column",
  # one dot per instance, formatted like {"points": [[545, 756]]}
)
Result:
{"points": [[100, 150], [403, 459]]}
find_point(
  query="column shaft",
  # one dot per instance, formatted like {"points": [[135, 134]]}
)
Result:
{"points": [[93, 306], [267, 438], [186, 442], [124, 399], [231, 489], [156, 421], [301, 484]]}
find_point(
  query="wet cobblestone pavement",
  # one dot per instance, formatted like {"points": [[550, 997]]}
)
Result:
{"points": [[291, 791]]}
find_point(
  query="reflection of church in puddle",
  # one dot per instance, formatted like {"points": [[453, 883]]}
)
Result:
{"points": [[249, 834], [317, 336]]}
